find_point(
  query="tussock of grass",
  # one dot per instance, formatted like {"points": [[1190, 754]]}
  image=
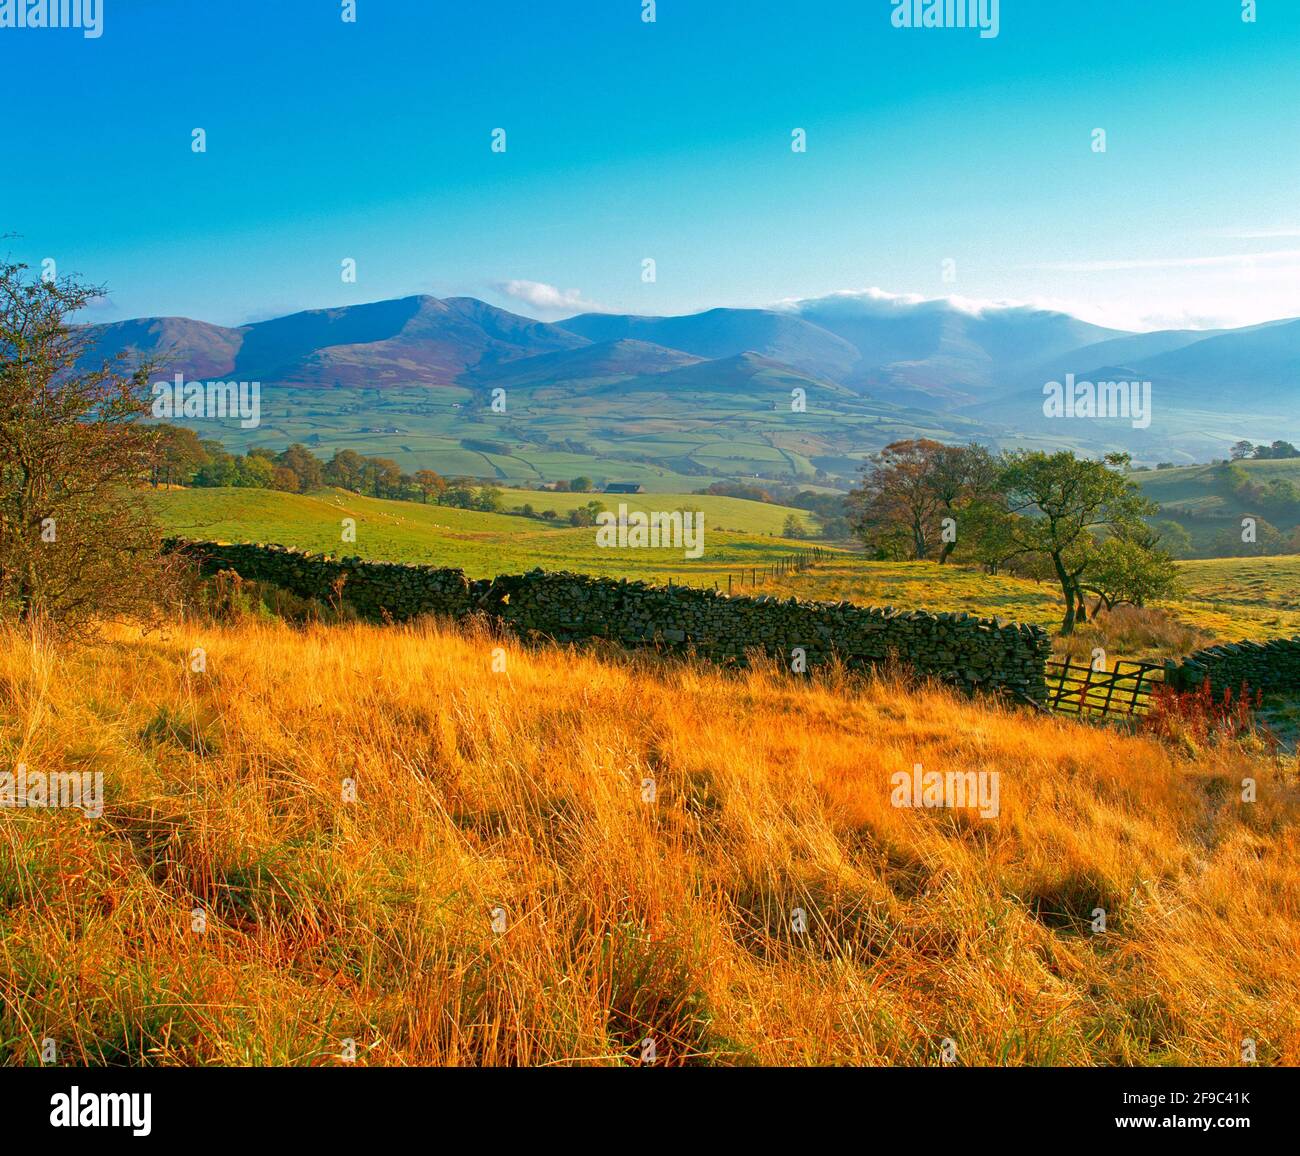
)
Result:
{"points": [[1134, 633], [624, 920]]}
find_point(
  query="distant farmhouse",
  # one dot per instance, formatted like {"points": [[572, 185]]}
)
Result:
{"points": [[623, 488]]}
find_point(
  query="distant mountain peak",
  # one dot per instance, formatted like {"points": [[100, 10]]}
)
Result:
{"points": [[941, 354]]}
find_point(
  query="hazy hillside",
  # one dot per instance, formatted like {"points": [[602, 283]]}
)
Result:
{"points": [[930, 368], [1127, 350], [937, 354], [721, 333], [1209, 389], [750, 377], [590, 365], [1260, 366]]}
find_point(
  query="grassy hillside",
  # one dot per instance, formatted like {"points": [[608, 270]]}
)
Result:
{"points": [[1265, 582], [481, 544], [1190, 487], [1197, 498], [619, 919], [1260, 593], [1226, 599], [735, 514]]}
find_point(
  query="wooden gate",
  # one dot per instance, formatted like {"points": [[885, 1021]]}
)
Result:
{"points": [[1124, 691]]}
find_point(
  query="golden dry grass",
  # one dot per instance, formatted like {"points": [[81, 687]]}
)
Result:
{"points": [[521, 790]]}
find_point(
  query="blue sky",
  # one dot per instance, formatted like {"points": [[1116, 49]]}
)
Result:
{"points": [[671, 141]]}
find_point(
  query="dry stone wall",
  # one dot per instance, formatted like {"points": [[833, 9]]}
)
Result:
{"points": [[374, 589], [961, 648], [1267, 666]]}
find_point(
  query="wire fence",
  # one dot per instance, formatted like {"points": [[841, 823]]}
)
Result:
{"points": [[740, 578]]}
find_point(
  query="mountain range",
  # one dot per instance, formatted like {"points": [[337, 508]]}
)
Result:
{"points": [[985, 365]]}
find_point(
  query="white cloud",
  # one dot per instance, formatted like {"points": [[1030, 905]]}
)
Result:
{"points": [[545, 298], [882, 303], [1134, 315], [1247, 290], [101, 303]]}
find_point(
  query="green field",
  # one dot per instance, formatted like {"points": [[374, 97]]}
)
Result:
{"points": [[718, 428], [1225, 599], [720, 513], [738, 535]]}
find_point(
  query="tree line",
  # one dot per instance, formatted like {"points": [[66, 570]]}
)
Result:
{"points": [[181, 458], [1274, 451]]}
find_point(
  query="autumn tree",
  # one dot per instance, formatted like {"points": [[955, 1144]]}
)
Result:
{"points": [[305, 464], [177, 455], [77, 542], [285, 480], [960, 477], [913, 494], [430, 484], [382, 477], [896, 507], [346, 469]]}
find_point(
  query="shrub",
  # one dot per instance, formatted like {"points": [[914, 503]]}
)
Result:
{"points": [[1198, 717]]}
